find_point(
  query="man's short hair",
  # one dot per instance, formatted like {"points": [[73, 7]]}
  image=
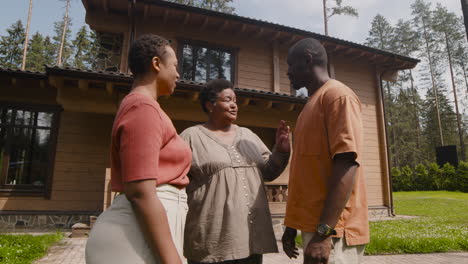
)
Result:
{"points": [[313, 47], [143, 50]]}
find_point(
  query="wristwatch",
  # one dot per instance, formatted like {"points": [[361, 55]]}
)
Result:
{"points": [[325, 230]]}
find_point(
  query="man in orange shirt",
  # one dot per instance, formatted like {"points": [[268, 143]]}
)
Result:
{"points": [[327, 192]]}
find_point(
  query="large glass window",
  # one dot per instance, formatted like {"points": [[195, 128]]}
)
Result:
{"points": [[27, 145], [202, 63]]}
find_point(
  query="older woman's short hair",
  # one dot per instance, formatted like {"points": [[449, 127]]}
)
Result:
{"points": [[210, 91], [143, 50]]}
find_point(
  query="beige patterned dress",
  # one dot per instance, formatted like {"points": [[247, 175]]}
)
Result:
{"points": [[228, 217]]}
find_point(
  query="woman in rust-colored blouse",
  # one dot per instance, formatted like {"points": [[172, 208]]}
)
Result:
{"points": [[149, 164]]}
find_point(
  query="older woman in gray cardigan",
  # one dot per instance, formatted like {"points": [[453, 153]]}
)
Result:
{"points": [[228, 219]]}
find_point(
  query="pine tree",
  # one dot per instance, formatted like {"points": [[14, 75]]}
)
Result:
{"points": [[64, 49], [26, 38], [337, 9], [216, 5], [446, 25], [407, 43], [431, 71], [81, 44], [92, 52], [36, 53], [49, 52], [67, 48], [11, 46], [380, 34]]}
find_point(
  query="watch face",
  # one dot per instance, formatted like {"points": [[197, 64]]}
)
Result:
{"points": [[323, 229]]}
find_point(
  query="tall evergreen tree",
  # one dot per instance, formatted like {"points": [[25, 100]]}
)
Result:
{"points": [[49, 51], [337, 9], [446, 23], [66, 44], [92, 52], [216, 5], [81, 44], [381, 37], [36, 53], [432, 70], [407, 43], [11, 46], [26, 38]]}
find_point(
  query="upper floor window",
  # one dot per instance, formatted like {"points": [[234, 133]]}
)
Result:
{"points": [[201, 63], [27, 147]]}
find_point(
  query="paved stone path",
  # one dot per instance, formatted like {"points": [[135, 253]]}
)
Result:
{"points": [[71, 251]]}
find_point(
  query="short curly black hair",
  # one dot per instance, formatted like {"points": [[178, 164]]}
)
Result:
{"points": [[210, 91], [143, 50]]}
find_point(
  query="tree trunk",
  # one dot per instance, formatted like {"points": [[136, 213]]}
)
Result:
{"points": [[392, 129], [434, 89], [325, 17], [416, 112], [460, 131], [65, 24], [26, 38]]}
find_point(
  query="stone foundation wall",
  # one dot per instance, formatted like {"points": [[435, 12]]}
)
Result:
{"points": [[12, 222]]}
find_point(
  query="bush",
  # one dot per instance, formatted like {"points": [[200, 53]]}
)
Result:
{"points": [[431, 177]]}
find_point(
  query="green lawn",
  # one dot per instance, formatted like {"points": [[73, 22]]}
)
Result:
{"points": [[442, 224], [24, 249]]}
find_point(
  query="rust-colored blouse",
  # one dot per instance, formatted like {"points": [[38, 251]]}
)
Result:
{"points": [[145, 145]]}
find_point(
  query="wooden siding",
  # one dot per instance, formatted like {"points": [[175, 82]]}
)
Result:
{"points": [[81, 159], [361, 78]]}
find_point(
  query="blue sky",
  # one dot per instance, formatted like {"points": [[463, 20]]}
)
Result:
{"points": [[304, 14]]}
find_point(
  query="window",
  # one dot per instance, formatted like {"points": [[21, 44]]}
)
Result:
{"points": [[27, 147], [201, 63]]}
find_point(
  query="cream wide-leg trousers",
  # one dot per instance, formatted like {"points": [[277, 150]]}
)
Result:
{"points": [[117, 238]]}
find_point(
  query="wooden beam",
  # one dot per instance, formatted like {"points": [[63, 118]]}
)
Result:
{"points": [[186, 18], [146, 10], [105, 6], [276, 36], [264, 104], [194, 96], [205, 22], [83, 85], [109, 88], [291, 40], [276, 67], [243, 101], [223, 25], [258, 33], [165, 16], [56, 82], [242, 29], [285, 106]]}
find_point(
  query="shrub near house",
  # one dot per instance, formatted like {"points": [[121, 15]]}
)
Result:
{"points": [[431, 177]]}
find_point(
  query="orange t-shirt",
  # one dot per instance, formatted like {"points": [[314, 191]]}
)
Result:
{"points": [[145, 145], [329, 124]]}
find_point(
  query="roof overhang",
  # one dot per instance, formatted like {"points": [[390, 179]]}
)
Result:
{"points": [[184, 15]]}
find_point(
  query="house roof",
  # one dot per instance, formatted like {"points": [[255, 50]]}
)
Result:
{"points": [[126, 80], [278, 27], [200, 18], [21, 73]]}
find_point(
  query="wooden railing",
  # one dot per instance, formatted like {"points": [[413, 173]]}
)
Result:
{"points": [[277, 193]]}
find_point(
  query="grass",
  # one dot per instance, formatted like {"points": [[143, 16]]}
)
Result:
{"points": [[442, 224], [24, 249]]}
